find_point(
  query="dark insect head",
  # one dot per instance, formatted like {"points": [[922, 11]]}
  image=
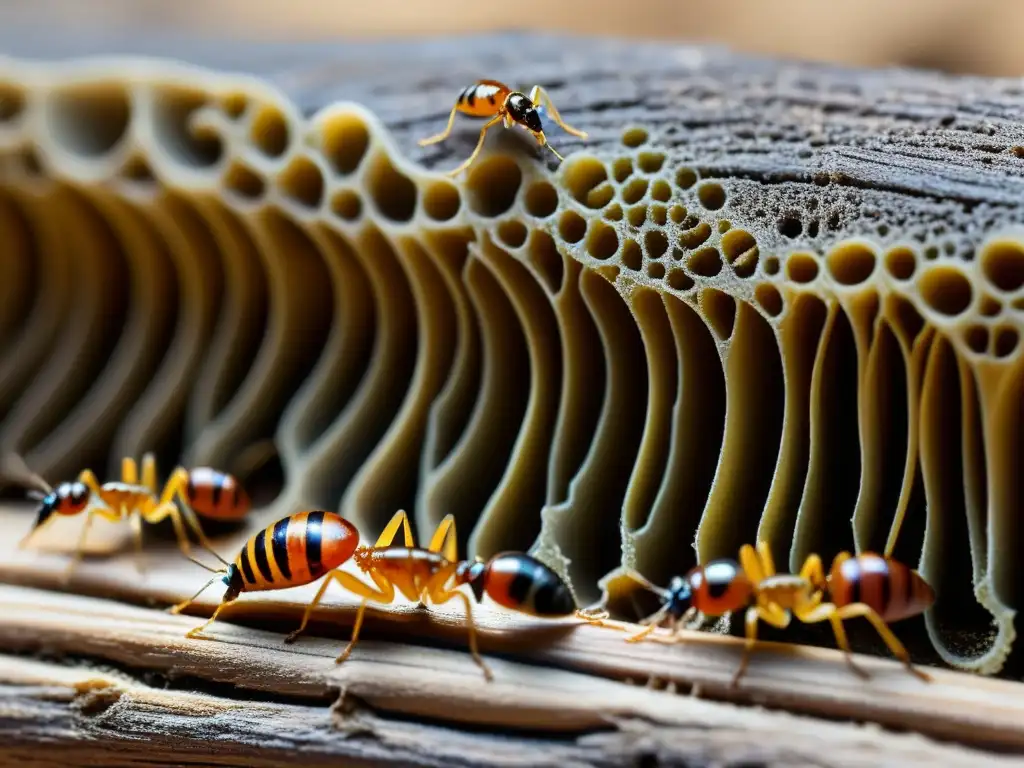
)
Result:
{"points": [[524, 112], [678, 597], [472, 572]]}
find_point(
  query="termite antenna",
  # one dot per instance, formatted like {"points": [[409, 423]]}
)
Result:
{"points": [[201, 564], [553, 150], [35, 495]]}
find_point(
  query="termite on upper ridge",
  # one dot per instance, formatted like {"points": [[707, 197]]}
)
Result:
{"points": [[202, 491], [879, 589], [514, 580], [295, 550], [493, 99]]}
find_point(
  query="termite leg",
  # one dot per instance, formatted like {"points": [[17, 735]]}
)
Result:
{"points": [[439, 596], [199, 630], [443, 134], [898, 650], [129, 471], [479, 145], [538, 95]]}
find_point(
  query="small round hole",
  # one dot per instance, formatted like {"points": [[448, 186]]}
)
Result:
{"points": [[800, 267], [493, 184], [901, 262], [441, 200], [946, 290], [634, 191], [622, 169], [678, 280], [1006, 341], [790, 226], [632, 257], [706, 262], [769, 298], [711, 196], [571, 227], [724, 226], [656, 271], [1002, 262], [634, 137], [677, 213], [346, 205], [740, 249], [12, 102], [719, 310], [512, 233], [659, 214], [541, 199], [989, 306], [88, 120], [602, 240], [583, 177], [545, 258], [693, 238], [851, 263], [637, 215], [771, 265], [661, 191], [686, 178], [976, 338], [244, 182], [269, 132], [655, 243], [613, 212], [345, 141], [650, 162], [302, 182], [234, 105], [394, 194]]}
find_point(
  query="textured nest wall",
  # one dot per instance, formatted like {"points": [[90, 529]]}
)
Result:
{"points": [[688, 336]]}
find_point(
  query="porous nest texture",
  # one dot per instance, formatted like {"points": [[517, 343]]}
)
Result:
{"points": [[761, 301]]}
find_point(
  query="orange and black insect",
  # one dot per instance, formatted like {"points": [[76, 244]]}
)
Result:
{"points": [[435, 574], [296, 550], [723, 586], [490, 98], [203, 491]]}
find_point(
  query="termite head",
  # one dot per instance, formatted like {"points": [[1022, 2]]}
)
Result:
{"points": [[472, 572], [233, 579], [524, 112], [678, 597], [66, 499]]}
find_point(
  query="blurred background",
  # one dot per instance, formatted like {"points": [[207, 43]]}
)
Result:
{"points": [[962, 36]]}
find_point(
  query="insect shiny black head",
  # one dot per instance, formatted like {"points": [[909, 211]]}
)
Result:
{"points": [[233, 579], [472, 572], [524, 112], [47, 506], [679, 597]]}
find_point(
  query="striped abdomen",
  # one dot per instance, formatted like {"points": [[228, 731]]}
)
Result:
{"points": [[719, 586], [523, 583], [216, 495], [892, 589], [482, 99], [296, 550]]}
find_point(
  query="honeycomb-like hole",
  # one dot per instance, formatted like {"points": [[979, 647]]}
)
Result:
{"points": [[269, 133], [302, 182], [244, 181], [512, 233], [392, 192], [637, 215], [137, 169], [659, 215], [544, 256], [1018, 304], [632, 256], [677, 213], [493, 184], [976, 338], [233, 105], [346, 204], [706, 262], [12, 102], [719, 309], [1017, 151], [686, 178], [790, 226], [851, 263], [740, 249], [989, 306], [89, 120], [655, 243], [634, 191], [678, 280], [441, 200], [602, 240], [586, 179], [800, 267], [613, 212], [768, 296], [541, 199], [694, 238], [656, 270], [622, 169], [724, 226], [650, 162], [634, 137], [1002, 263], [946, 290], [571, 227], [711, 195], [174, 110], [771, 265], [345, 139], [1005, 343], [901, 262], [661, 191]]}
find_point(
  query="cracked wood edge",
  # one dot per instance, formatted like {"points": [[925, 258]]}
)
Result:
{"points": [[99, 717], [571, 691]]}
